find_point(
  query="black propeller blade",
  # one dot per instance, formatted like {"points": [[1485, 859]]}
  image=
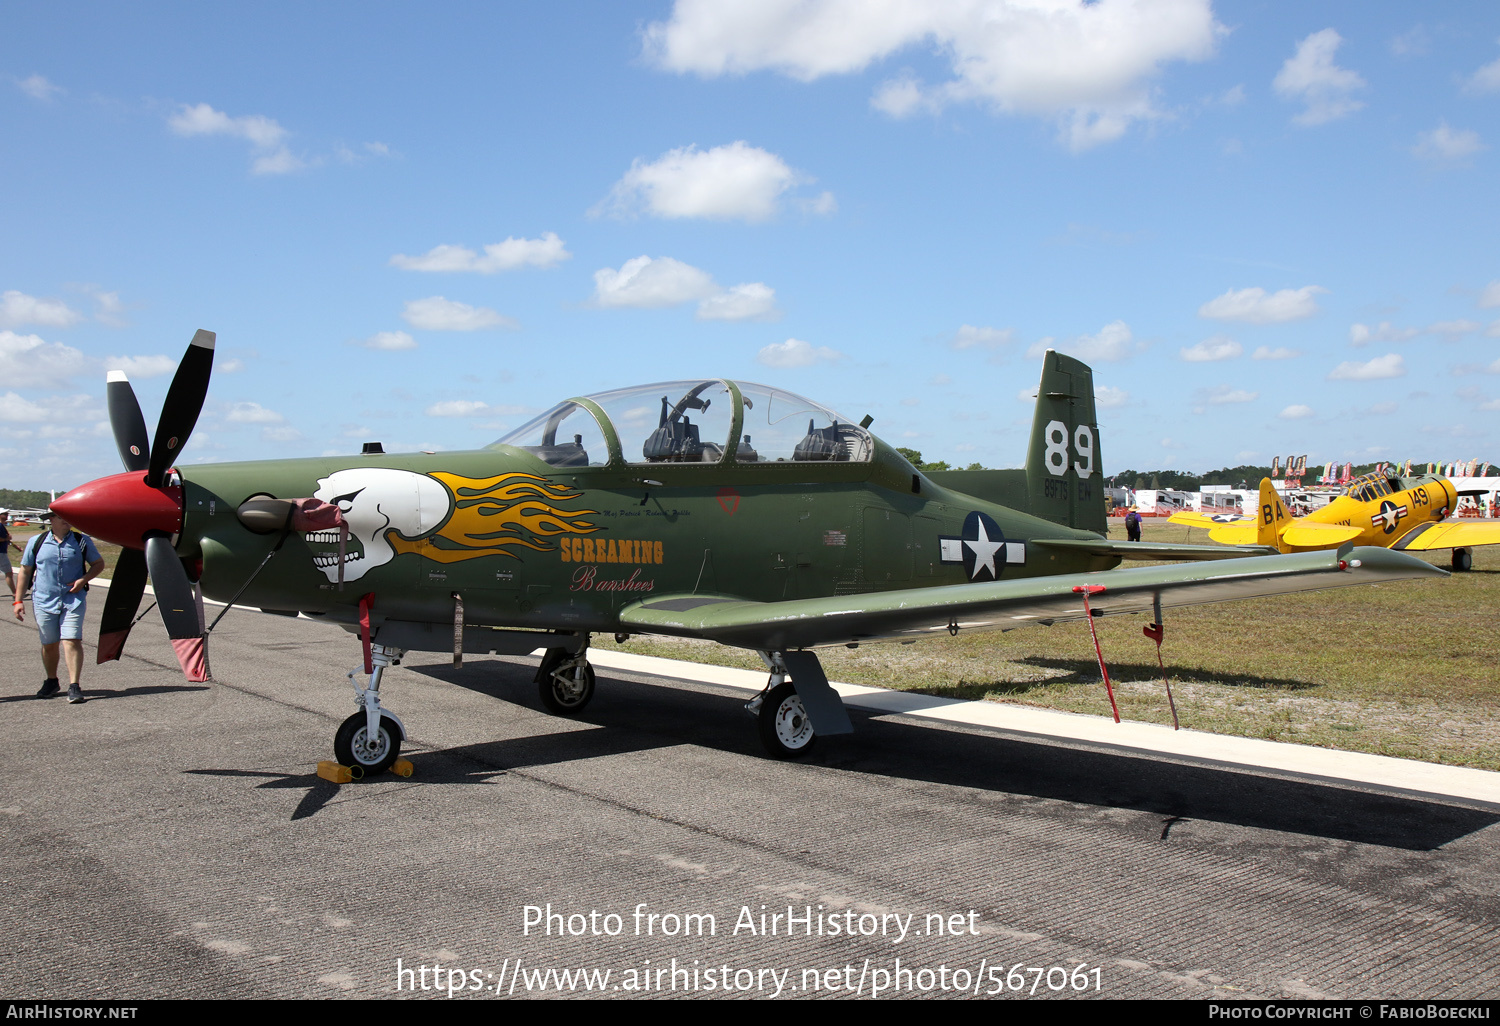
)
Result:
{"points": [[178, 604], [180, 411], [175, 595], [126, 587], [128, 424]]}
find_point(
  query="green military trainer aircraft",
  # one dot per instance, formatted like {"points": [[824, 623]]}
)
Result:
{"points": [[713, 509]]}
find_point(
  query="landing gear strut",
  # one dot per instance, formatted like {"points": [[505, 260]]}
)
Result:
{"points": [[370, 740]]}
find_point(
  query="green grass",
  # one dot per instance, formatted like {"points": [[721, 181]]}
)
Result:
{"points": [[1405, 669]]}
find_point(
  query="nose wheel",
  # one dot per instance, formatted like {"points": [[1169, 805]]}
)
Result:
{"points": [[353, 745]]}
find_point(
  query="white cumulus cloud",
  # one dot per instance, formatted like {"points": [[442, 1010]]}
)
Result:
{"points": [[1279, 353], [1219, 347], [1490, 297], [1256, 306], [796, 353], [737, 182], [1088, 65], [1221, 395], [968, 337], [1107, 397], [510, 255], [70, 409], [1113, 343], [1486, 79], [1390, 365], [752, 301], [252, 413], [389, 341], [27, 361], [1363, 334], [1296, 412], [1311, 77], [266, 137], [437, 313], [38, 88], [647, 283], [17, 309], [137, 368], [1447, 146]]}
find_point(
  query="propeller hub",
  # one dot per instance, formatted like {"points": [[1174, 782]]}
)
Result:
{"points": [[122, 508]]}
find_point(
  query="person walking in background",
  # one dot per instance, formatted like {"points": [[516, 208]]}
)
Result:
{"points": [[58, 565], [1132, 525], [6, 544]]}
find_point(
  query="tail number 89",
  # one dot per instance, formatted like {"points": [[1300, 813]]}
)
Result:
{"points": [[1056, 454]]}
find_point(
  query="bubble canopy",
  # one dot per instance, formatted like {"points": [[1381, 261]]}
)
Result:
{"points": [[704, 421]]}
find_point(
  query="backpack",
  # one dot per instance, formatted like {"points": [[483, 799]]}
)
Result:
{"points": [[36, 543]]}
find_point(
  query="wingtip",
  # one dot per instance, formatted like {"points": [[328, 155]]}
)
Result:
{"points": [[204, 339]]}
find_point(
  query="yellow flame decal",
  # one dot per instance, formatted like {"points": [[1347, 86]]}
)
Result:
{"points": [[493, 515]]}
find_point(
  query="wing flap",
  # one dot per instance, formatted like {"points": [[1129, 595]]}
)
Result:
{"points": [[1006, 605], [1152, 550]]}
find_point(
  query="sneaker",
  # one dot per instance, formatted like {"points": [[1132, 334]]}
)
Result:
{"points": [[49, 688], [75, 695]]}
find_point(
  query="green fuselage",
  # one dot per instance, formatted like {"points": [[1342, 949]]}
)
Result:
{"points": [[526, 544]]}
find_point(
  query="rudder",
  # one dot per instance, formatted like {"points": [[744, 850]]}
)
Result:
{"points": [[1273, 519], [1063, 477]]}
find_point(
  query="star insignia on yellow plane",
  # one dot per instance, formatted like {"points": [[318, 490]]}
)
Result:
{"points": [[1390, 515]]}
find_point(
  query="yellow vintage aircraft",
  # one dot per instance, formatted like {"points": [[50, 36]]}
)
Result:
{"points": [[1410, 513]]}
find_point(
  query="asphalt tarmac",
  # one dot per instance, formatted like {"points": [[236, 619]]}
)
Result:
{"points": [[171, 840]]}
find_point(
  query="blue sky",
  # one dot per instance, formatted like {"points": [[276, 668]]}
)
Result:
{"points": [[1270, 228]]}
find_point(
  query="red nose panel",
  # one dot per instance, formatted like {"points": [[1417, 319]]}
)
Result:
{"points": [[122, 508]]}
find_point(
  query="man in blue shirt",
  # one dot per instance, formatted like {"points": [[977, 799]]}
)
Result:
{"points": [[54, 566]]}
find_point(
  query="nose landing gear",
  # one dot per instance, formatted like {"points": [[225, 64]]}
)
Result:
{"points": [[370, 740]]}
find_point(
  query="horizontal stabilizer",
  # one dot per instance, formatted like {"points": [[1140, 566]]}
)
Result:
{"points": [[1308, 534]]}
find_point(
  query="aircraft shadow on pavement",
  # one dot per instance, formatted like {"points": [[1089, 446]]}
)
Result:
{"points": [[1086, 671], [971, 758]]}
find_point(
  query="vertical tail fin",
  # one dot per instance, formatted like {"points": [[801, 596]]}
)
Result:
{"points": [[1063, 477], [1273, 519]]}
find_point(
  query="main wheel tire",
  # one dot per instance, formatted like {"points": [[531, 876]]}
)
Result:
{"points": [[564, 693], [1463, 559], [785, 729], [352, 746]]}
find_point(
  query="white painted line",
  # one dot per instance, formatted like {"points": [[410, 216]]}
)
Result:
{"points": [[1422, 778]]}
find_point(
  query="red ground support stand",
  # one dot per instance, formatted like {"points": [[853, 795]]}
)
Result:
{"points": [[1155, 631], [1096, 589]]}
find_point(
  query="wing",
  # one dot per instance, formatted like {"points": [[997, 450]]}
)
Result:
{"points": [[1449, 535], [1191, 519], [1006, 605], [1155, 551]]}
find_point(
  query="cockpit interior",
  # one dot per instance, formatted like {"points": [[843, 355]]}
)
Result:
{"points": [[704, 422]]}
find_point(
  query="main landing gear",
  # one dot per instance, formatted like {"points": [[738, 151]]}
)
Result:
{"points": [[785, 711], [1463, 559], [370, 740], [565, 681]]}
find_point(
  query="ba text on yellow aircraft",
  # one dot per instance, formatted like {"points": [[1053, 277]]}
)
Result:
{"points": [[1411, 513]]}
